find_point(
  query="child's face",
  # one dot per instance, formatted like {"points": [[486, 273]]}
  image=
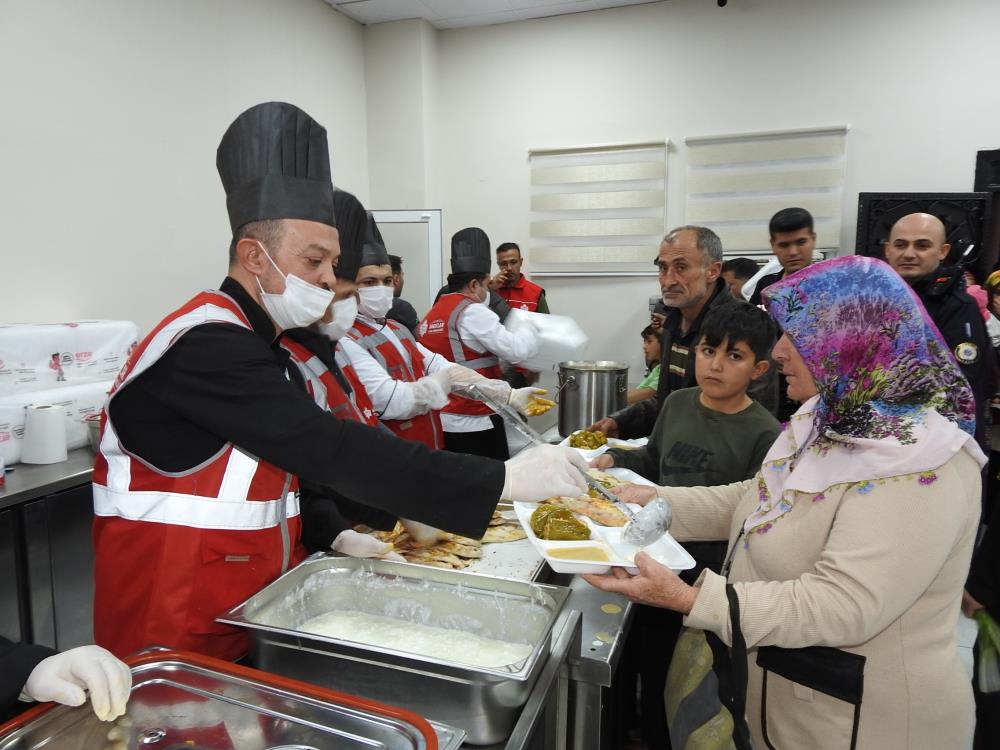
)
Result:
{"points": [[725, 371], [651, 349]]}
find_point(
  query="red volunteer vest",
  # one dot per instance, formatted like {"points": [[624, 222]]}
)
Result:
{"points": [[324, 388], [175, 550], [524, 295], [423, 428], [439, 333]]}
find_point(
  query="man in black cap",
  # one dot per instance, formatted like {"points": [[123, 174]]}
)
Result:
{"points": [[463, 329], [206, 435]]}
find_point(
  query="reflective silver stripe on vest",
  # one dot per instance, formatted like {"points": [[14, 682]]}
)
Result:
{"points": [[457, 350], [370, 343]]}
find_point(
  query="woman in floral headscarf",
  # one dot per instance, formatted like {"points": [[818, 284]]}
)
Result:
{"points": [[857, 532]]}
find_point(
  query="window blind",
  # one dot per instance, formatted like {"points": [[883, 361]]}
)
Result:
{"points": [[597, 208], [735, 183]]}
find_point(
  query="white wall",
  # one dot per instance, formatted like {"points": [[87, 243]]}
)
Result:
{"points": [[112, 111], [399, 72], [911, 77]]}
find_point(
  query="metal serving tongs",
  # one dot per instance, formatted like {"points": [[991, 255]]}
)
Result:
{"points": [[635, 532]]}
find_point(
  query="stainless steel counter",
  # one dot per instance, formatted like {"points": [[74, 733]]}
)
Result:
{"points": [[30, 481], [566, 708], [46, 513]]}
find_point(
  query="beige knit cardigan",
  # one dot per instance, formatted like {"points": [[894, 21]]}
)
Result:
{"points": [[876, 568]]}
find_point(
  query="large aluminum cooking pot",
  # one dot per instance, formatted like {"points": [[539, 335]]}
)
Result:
{"points": [[589, 391]]}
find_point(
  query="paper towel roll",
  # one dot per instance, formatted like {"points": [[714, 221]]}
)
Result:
{"points": [[44, 434]]}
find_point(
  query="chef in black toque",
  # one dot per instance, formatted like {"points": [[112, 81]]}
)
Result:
{"points": [[207, 433], [462, 328]]}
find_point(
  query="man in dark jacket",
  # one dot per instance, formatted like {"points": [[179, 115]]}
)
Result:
{"points": [[689, 263], [916, 250]]}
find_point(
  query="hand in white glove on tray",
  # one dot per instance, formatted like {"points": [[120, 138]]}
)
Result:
{"points": [[431, 391], [528, 401], [64, 677], [422, 534], [544, 471], [498, 390], [354, 544]]}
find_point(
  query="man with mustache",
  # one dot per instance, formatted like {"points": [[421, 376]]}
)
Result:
{"points": [[690, 265]]}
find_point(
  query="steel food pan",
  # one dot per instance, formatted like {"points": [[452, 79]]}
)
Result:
{"points": [[182, 701], [485, 702]]}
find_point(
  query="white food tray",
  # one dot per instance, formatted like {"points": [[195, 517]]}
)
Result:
{"points": [[589, 455], [664, 550]]}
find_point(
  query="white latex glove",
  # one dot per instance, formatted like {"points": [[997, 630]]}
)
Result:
{"points": [[422, 534], [443, 379], [498, 390], [431, 392], [544, 471], [461, 375], [519, 398], [63, 678], [355, 544]]}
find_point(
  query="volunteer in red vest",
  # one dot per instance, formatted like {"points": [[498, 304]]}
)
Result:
{"points": [[204, 436], [328, 376], [513, 285], [521, 294], [407, 382], [463, 329]]}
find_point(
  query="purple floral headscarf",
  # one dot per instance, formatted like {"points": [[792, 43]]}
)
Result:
{"points": [[891, 401], [877, 359]]}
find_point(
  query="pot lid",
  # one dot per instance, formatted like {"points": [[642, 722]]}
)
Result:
{"points": [[599, 365]]}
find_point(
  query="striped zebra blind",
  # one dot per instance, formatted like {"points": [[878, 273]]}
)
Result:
{"points": [[735, 183], [597, 208]]}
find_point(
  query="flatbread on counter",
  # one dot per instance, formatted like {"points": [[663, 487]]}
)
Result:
{"points": [[383, 536], [507, 532], [454, 552]]}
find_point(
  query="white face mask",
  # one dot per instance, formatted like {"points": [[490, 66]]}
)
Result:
{"points": [[300, 305], [376, 301], [486, 295], [344, 312]]}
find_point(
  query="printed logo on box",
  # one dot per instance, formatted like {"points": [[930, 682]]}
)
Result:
{"points": [[83, 356], [19, 432]]}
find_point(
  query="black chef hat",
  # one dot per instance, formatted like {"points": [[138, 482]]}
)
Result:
{"points": [[352, 225], [373, 252], [275, 164], [470, 251]]}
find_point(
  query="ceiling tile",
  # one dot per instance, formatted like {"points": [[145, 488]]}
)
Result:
{"points": [[459, 8], [519, 4], [487, 19], [448, 14]]}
